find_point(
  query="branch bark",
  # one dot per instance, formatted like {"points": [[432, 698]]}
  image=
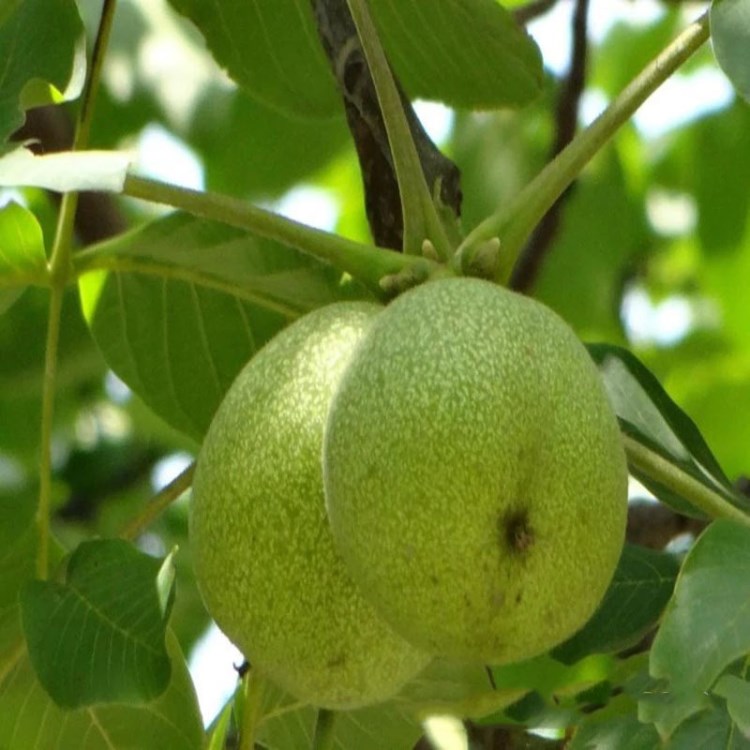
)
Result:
{"points": [[338, 36], [530, 261]]}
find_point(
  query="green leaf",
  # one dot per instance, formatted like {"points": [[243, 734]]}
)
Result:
{"points": [[22, 259], [668, 710], [615, 733], [18, 543], [65, 171], [277, 151], [468, 53], [22, 342], [649, 415], [372, 728], [286, 724], [730, 34], [30, 720], [214, 255], [376, 727], [40, 46], [707, 624], [737, 694], [271, 49], [639, 592], [217, 293], [719, 148], [549, 677], [600, 230], [219, 728], [454, 689], [711, 729], [99, 637]]}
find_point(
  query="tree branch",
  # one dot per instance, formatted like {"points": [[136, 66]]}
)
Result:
{"points": [[364, 117], [539, 244]]}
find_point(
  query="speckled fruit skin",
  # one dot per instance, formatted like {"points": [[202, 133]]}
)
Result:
{"points": [[475, 478], [264, 556]]}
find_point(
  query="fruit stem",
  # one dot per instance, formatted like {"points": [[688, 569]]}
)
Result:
{"points": [[366, 263], [59, 271], [324, 730], [159, 503], [657, 467], [514, 222]]}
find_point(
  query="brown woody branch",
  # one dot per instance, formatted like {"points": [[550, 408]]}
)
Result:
{"points": [[364, 117], [533, 255]]}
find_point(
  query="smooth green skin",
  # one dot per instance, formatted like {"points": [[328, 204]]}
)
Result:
{"points": [[475, 478], [264, 555]]}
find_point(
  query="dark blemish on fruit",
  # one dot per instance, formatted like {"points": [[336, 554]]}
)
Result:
{"points": [[516, 531], [497, 600], [434, 579], [519, 596], [336, 661]]}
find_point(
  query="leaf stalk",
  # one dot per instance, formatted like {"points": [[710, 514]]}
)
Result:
{"points": [[657, 467], [366, 263], [514, 223], [59, 272], [159, 503]]}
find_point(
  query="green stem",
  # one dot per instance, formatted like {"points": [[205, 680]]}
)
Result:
{"points": [[48, 410], [364, 262], [656, 467], [421, 220], [60, 269], [515, 222], [324, 730], [251, 709], [159, 503]]}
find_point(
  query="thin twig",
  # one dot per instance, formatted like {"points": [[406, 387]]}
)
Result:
{"points": [[364, 262], [513, 222], [159, 503], [59, 273], [532, 256], [656, 467]]}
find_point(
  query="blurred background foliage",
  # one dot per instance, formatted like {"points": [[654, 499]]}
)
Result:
{"points": [[652, 250]]}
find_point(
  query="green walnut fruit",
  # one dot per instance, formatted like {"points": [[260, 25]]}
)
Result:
{"points": [[474, 473], [264, 556]]}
